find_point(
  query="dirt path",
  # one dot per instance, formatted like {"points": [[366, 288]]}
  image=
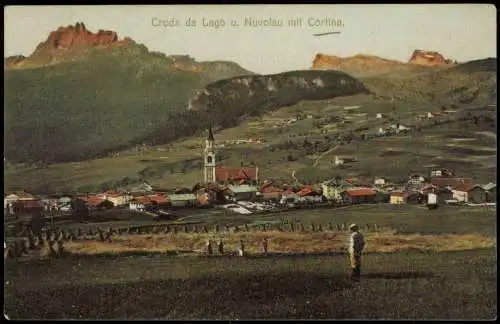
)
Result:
{"points": [[324, 153]]}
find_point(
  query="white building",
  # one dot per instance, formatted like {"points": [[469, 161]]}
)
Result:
{"points": [[338, 161], [137, 204], [459, 195], [312, 198], [436, 173]]}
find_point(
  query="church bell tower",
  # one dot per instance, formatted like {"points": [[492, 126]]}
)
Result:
{"points": [[209, 167]]}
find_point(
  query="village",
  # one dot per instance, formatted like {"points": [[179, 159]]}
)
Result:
{"points": [[247, 196], [241, 191]]}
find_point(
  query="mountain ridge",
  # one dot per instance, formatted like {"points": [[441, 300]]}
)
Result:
{"points": [[363, 65], [109, 98], [97, 97], [76, 43]]}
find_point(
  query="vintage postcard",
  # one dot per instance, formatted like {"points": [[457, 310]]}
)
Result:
{"points": [[239, 162]]}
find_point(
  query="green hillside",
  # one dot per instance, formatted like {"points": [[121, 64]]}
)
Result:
{"points": [[114, 100], [228, 102], [473, 81], [83, 109], [463, 140]]}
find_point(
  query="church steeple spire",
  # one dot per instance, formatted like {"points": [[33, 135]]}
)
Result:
{"points": [[210, 164], [210, 135]]}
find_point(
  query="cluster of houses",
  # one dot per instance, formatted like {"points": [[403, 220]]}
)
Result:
{"points": [[448, 188], [244, 187]]}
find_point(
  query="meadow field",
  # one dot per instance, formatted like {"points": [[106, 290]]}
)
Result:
{"points": [[420, 264], [467, 148], [404, 285], [404, 219]]}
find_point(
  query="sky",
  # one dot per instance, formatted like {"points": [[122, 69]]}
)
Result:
{"points": [[460, 32]]}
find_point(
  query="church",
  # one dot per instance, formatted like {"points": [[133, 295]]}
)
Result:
{"points": [[222, 174]]}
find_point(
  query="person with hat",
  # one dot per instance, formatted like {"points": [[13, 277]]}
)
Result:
{"points": [[356, 246]]}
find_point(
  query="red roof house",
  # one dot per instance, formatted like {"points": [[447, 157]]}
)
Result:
{"points": [[30, 204], [356, 192], [359, 195], [451, 182], [236, 174], [308, 191], [158, 199], [269, 188], [94, 201], [141, 200], [464, 187]]}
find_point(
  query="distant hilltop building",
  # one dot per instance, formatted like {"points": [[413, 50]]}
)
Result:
{"points": [[219, 174], [338, 160]]}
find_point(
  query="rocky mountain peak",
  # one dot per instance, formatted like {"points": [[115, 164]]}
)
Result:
{"points": [[428, 58], [66, 44], [65, 38]]}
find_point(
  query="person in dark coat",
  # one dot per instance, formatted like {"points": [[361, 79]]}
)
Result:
{"points": [[356, 246], [221, 247], [209, 247], [265, 244]]}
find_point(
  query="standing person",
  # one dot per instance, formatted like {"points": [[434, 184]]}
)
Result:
{"points": [[241, 249], [265, 244], [221, 247], [209, 247], [356, 246]]}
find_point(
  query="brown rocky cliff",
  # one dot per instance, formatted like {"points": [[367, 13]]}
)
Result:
{"points": [[65, 38], [428, 58], [66, 43], [326, 61], [360, 65]]}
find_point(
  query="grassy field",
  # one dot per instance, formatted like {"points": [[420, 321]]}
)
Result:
{"points": [[416, 253], [466, 148], [278, 243], [410, 285], [107, 114], [404, 219]]}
